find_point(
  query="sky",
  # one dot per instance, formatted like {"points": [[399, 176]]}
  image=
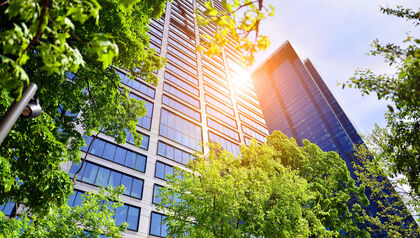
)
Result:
{"points": [[336, 36]]}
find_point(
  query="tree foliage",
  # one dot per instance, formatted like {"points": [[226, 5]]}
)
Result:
{"points": [[401, 142], [95, 214], [238, 24], [397, 204], [67, 49], [276, 189]]}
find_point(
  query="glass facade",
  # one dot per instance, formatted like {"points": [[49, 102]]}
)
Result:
{"points": [[196, 101]]}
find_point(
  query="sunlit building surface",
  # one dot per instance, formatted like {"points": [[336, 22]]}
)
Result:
{"points": [[295, 100], [198, 100]]}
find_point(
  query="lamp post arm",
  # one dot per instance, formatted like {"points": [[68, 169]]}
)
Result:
{"points": [[14, 111]]}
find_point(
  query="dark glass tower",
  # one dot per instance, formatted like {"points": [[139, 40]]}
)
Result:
{"points": [[296, 101]]}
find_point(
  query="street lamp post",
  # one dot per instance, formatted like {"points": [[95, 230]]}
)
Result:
{"points": [[24, 107]]}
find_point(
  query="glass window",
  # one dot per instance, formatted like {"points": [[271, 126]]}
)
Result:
{"points": [[218, 94], [177, 155], [133, 218], [157, 226], [156, 198], [176, 125], [162, 170], [227, 145], [219, 105], [181, 83], [103, 177], [181, 108], [221, 116], [100, 176], [178, 93], [139, 86], [97, 147], [182, 74], [120, 155], [146, 120], [223, 129]]}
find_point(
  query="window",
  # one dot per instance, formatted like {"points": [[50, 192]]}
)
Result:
{"points": [[173, 153], [156, 198], [139, 86], [126, 213], [182, 74], [187, 49], [221, 106], [101, 176], [144, 141], [223, 129], [249, 104], [129, 214], [7, 208], [180, 130], [162, 170], [178, 93], [181, 108], [157, 225], [115, 153], [145, 121], [253, 133], [183, 56], [217, 84], [253, 123], [181, 64], [221, 116], [227, 145], [217, 94], [181, 83], [250, 113]]}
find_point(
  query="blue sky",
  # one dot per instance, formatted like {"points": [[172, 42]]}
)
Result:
{"points": [[336, 36]]}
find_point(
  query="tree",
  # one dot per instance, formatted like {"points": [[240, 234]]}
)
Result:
{"points": [[67, 49], [276, 189], [95, 213], [400, 145], [397, 203], [237, 24]]}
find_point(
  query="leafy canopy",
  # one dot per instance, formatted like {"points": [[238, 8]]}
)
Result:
{"points": [[237, 24], [401, 143], [276, 189], [67, 49]]}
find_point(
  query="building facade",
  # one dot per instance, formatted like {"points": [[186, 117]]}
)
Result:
{"points": [[296, 101], [198, 100]]}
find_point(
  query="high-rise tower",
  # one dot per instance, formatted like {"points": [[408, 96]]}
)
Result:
{"points": [[198, 100], [296, 101]]}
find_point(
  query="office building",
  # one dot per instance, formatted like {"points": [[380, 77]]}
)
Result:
{"points": [[295, 100], [198, 100]]}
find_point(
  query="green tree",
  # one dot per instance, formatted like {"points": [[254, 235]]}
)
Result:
{"points": [[67, 49], [95, 214], [276, 189], [397, 204], [400, 147], [238, 24]]}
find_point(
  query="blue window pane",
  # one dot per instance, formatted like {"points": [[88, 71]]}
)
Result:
{"points": [[109, 151], [8, 208], [115, 179], [155, 224], [90, 173], [88, 140], [120, 155], [141, 163], [97, 147], [78, 200], [130, 160], [120, 215], [133, 218], [127, 182], [160, 170], [137, 188], [103, 177], [72, 197], [156, 197], [74, 169]]}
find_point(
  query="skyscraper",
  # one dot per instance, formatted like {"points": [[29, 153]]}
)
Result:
{"points": [[296, 101], [198, 100]]}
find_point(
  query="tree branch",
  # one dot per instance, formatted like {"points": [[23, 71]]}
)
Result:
{"points": [[44, 4]]}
